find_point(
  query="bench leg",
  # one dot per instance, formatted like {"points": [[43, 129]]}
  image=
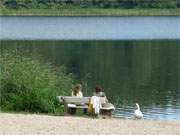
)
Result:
{"points": [[66, 112], [107, 113], [69, 111]]}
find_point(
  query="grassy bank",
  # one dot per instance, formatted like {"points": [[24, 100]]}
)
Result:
{"points": [[30, 85], [90, 12]]}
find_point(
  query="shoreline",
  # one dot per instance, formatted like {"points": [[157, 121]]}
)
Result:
{"points": [[88, 12], [33, 124]]}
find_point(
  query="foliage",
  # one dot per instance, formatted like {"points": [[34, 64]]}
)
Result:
{"points": [[16, 4], [91, 12], [29, 85]]}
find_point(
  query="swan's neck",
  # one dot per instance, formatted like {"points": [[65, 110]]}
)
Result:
{"points": [[138, 108]]}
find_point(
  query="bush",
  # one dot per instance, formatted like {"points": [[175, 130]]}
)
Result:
{"points": [[26, 84], [11, 4], [16, 4]]}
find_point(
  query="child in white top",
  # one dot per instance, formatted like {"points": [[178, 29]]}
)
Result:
{"points": [[77, 91]]}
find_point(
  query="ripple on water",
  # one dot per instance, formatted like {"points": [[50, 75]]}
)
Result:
{"points": [[168, 112]]}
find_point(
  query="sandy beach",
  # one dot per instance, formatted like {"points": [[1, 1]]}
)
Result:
{"points": [[32, 124]]}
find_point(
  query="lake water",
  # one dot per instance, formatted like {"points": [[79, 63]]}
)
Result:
{"points": [[123, 54], [130, 71], [86, 28]]}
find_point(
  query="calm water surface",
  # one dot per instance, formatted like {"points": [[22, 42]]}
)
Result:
{"points": [[147, 71], [96, 28]]}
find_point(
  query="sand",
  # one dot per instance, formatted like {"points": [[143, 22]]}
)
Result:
{"points": [[32, 124]]}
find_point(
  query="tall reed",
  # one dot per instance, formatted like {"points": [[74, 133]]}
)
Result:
{"points": [[27, 84]]}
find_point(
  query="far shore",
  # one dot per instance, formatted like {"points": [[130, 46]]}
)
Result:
{"points": [[89, 12], [33, 124]]}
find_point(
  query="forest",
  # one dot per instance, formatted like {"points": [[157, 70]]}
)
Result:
{"points": [[58, 4]]}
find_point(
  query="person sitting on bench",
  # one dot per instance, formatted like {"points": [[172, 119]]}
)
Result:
{"points": [[98, 92], [77, 91], [107, 107]]}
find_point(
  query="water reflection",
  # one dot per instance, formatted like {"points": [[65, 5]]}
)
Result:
{"points": [[146, 72]]}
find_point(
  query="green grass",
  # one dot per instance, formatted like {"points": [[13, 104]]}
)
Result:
{"points": [[30, 85], [90, 12]]}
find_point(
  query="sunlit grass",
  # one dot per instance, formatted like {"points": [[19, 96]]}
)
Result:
{"points": [[29, 85], [91, 12]]}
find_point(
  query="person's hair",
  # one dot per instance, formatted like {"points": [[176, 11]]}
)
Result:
{"points": [[77, 88], [98, 88]]}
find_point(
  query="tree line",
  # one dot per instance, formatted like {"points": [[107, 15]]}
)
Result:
{"points": [[16, 4]]}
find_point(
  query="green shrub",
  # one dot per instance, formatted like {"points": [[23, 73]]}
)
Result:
{"points": [[16, 4], [27, 84]]}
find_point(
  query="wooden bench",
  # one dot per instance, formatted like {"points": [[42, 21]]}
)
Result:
{"points": [[74, 102], [82, 103]]}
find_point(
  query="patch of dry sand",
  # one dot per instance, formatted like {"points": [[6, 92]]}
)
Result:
{"points": [[21, 124]]}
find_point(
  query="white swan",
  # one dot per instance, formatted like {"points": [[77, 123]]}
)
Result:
{"points": [[137, 113]]}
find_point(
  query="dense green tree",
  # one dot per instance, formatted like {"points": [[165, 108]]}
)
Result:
{"points": [[15, 4]]}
